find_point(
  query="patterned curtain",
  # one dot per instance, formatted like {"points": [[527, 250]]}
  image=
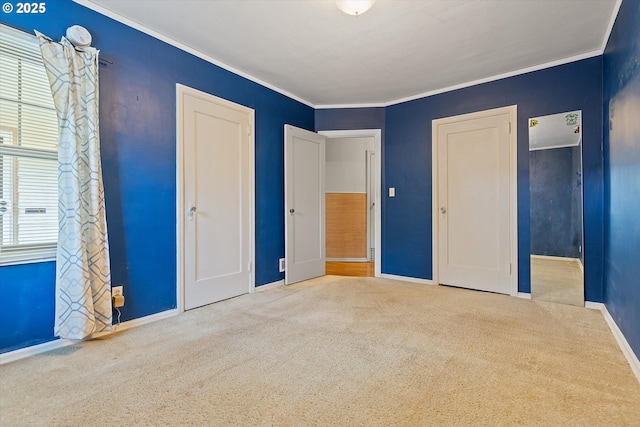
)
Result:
{"points": [[83, 273]]}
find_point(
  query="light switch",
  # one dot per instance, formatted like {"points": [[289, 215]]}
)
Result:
{"points": [[392, 192]]}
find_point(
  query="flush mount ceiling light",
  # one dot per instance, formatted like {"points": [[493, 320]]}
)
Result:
{"points": [[354, 7]]}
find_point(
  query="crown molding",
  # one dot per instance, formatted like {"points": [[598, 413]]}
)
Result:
{"points": [[126, 21], [612, 21], [133, 24]]}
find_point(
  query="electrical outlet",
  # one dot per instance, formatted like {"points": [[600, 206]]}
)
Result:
{"points": [[116, 290], [281, 265]]}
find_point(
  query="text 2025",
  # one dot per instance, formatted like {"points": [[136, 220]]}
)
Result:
{"points": [[31, 7]]}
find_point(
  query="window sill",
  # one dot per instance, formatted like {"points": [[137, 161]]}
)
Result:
{"points": [[8, 263]]}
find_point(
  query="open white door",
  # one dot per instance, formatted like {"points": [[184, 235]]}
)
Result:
{"points": [[304, 158]]}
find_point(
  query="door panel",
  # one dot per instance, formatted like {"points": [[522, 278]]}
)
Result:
{"points": [[217, 198], [304, 204], [346, 226], [474, 203], [218, 219]]}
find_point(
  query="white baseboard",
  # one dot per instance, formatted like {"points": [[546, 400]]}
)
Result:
{"points": [[142, 321], [595, 306], [632, 358], [21, 353], [407, 279], [269, 286], [523, 295], [12, 356]]}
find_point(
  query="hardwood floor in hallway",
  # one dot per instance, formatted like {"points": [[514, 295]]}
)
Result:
{"points": [[359, 269]]}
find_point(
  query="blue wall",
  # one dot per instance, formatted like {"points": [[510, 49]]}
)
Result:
{"points": [[27, 316], [350, 118], [138, 128], [622, 173], [406, 218]]}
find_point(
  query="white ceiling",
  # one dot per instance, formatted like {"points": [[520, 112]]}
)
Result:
{"points": [[398, 50]]}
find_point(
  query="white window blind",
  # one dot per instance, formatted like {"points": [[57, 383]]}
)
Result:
{"points": [[28, 153]]}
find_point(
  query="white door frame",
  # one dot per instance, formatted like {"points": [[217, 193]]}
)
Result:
{"points": [[181, 91], [513, 187], [371, 167], [377, 146]]}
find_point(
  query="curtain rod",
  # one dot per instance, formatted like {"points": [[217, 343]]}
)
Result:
{"points": [[106, 61]]}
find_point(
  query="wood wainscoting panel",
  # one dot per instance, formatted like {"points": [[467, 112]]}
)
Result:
{"points": [[346, 225], [360, 269]]}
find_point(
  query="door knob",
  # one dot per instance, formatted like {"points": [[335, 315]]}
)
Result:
{"points": [[291, 211], [443, 210], [192, 211]]}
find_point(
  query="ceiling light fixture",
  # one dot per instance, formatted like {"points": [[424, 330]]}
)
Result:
{"points": [[354, 7]]}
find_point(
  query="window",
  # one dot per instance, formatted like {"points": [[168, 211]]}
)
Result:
{"points": [[28, 153]]}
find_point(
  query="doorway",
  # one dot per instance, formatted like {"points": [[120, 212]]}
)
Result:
{"points": [[353, 202], [475, 201], [305, 200]]}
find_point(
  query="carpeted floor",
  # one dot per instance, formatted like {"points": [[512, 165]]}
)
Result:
{"points": [[338, 351], [557, 279]]}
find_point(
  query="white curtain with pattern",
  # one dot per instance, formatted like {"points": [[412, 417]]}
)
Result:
{"points": [[83, 273]]}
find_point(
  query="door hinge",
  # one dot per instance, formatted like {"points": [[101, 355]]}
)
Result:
{"points": [[249, 266], [248, 130], [509, 268], [509, 128]]}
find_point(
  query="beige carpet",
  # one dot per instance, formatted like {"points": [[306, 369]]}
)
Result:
{"points": [[338, 352], [556, 279]]}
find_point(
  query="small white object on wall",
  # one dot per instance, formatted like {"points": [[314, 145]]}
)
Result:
{"points": [[78, 36]]}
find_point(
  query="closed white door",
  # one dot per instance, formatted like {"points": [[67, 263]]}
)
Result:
{"points": [[304, 157], [218, 199], [474, 203]]}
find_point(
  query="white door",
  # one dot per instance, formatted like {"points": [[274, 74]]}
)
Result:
{"points": [[474, 203], [218, 199], [304, 157]]}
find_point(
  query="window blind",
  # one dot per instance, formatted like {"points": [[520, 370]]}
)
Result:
{"points": [[28, 152]]}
